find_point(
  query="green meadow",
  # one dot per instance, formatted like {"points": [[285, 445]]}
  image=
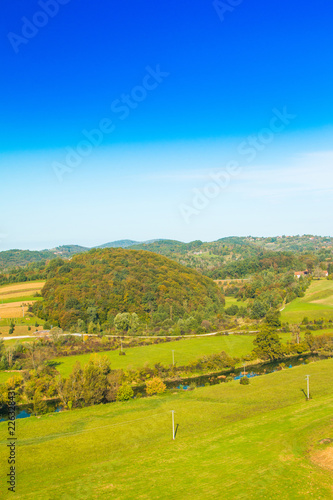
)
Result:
{"points": [[185, 351], [232, 442], [316, 304]]}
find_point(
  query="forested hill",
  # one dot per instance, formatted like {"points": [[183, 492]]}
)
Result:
{"points": [[216, 259], [97, 285], [10, 259]]}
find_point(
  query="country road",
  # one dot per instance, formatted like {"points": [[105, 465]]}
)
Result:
{"points": [[223, 332]]}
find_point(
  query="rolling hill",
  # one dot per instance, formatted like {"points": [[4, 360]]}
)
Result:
{"points": [[103, 282]]}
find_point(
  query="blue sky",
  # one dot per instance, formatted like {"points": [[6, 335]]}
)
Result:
{"points": [[198, 120]]}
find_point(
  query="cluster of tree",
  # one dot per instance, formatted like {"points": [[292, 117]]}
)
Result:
{"points": [[264, 293], [10, 259], [264, 261], [268, 345], [96, 286]]}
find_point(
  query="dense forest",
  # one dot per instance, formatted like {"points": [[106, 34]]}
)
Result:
{"points": [[95, 287]]}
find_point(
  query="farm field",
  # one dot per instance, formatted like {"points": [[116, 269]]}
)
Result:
{"points": [[20, 329], [233, 441], [185, 352], [317, 303], [15, 309], [20, 289], [14, 299]]}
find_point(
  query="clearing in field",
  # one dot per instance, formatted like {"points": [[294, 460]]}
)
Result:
{"points": [[316, 304]]}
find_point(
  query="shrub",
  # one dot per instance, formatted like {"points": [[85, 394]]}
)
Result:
{"points": [[124, 393], [155, 386], [244, 381]]}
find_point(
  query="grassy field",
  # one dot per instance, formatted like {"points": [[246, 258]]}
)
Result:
{"points": [[233, 442], [230, 301], [185, 352], [317, 303], [21, 326]]}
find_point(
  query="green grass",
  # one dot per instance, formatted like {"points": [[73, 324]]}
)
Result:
{"points": [[230, 301], [25, 298], [185, 352], [316, 304], [27, 321], [233, 442], [4, 376]]}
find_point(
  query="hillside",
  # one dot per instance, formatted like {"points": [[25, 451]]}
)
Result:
{"points": [[96, 286], [118, 244], [10, 259], [231, 257], [232, 442]]}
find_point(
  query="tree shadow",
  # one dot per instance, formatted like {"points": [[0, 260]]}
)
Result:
{"points": [[53, 364]]}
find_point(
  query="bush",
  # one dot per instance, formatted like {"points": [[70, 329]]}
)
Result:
{"points": [[244, 381], [124, 393], [155, 386]]}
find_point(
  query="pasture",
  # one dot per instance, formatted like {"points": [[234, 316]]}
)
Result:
{"points": [[233, 441], [185, 351], [316, 304]]}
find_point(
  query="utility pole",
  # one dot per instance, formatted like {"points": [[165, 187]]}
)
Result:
{"points": [[173, 357], [121, 346], [308, 386], [23, 310], [173, 424]]}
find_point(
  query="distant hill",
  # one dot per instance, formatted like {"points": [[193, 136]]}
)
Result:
{"points": [[10, 259], [68, 250], [118, 244], [103, 282], [206, 257]]}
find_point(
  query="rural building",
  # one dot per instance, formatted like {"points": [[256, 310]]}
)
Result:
{"points": [[298, 274]]}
